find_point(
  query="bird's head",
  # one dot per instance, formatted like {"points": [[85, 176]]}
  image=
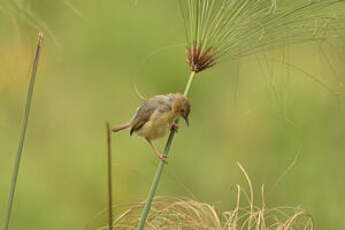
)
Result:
{"points": [[182, 106]]}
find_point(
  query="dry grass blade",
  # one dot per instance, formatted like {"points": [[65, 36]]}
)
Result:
{"points": [[109, 176]]}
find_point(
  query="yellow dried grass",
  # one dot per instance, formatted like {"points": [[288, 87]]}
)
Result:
{"points": [[180, 213]]}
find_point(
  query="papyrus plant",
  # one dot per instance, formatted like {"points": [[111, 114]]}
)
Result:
{"points": [[229, 29], [217, 30]]}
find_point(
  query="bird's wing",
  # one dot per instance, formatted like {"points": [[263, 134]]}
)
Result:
{"points": [[146, 110]]}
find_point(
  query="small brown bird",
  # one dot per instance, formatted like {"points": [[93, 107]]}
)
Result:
{"points": [[156, 117]]}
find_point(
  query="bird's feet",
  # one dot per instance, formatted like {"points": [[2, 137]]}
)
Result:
{"points": [[174, 127], [164, 158]]}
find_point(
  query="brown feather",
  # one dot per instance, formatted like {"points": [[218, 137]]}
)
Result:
{"points": [[147, 109], [121, 127]]}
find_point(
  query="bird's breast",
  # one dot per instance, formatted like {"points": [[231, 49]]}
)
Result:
{"points": [[158, 126]]}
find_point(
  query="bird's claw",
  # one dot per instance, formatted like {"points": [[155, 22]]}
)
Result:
{"points": [[175, 127], [164, 158]]}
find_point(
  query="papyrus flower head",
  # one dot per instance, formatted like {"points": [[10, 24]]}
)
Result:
{"points": [[218, 29]]}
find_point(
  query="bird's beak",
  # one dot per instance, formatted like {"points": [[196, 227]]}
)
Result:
{"points": [[186, 120]]}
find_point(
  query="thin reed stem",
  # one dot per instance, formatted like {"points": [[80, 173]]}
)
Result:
{"points": [[22, 135], [161, 165], [110, 186]]}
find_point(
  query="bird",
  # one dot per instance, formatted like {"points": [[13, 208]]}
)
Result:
{"points": [[155, 118]]}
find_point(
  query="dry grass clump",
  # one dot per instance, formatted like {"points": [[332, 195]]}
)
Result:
{"points": [[179, 213]]}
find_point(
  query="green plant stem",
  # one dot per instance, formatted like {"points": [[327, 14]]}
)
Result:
{"points": [[22, 135], [161, 165]]}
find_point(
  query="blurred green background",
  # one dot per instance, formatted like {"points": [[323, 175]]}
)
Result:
{"points": [[96, 53]]}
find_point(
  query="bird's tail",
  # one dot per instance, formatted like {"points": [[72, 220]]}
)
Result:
{"points": [[121, 127]]}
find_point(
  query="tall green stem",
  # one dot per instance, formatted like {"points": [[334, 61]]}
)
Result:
{"points": [[22, 135], [161, 165]]}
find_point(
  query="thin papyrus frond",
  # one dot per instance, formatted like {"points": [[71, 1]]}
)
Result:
{"points": [[218, 29]]}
